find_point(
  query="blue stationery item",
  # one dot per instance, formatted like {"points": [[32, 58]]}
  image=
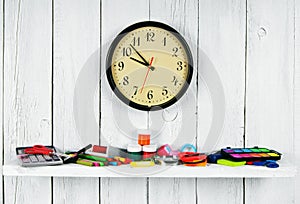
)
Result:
{"points": [[267, 163], [271, 164], [213, 158], [188, 148], [259, 163]]}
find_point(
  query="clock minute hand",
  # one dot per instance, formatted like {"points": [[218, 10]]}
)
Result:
{"points": [[147, 64]]}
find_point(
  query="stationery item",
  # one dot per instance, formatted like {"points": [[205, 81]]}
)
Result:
{"points": [[267, 163], [38, 149], [87, 162], [134, 152], [272, 164], [200, 163], [84, 162], [92, 157], [110, 151], [188, 148], [164, 150], [193, 159], [213, 158], [123, 160], [41, 157], [99, 155], [73, 156], [170, 160], [250, 154], [114, 163], [142, 163], [149, 151], [227, 162], [144, 137]]}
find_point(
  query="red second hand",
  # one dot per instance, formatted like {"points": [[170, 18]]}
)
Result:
{"points": [[150, 64]]}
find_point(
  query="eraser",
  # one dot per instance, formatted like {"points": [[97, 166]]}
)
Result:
{"points": [[227, 162]]}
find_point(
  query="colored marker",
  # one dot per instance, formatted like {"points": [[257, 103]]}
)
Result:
{"points": [[142, 164], [91, 157], [84, 162]]}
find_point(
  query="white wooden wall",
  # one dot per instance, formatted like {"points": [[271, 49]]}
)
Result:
{"points": [[254, 46]]}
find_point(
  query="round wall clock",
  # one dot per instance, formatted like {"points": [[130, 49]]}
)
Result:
{"points": [[149, 66]]}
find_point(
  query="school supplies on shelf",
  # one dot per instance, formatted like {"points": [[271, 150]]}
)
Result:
{"points": [[136, 155]]}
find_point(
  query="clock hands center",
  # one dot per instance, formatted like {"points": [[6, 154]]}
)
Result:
{"points": [[145, 61]]}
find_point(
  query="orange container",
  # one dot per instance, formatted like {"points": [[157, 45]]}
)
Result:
{"points": [[144, 139]]}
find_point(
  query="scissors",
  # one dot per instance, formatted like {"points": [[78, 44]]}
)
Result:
{"points": [[38, 149]]}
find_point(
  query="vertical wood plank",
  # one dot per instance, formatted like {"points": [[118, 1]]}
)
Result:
{"points": [[183, 16], [27, 90], [297, 99], [222, 40], [269, 99], [113, 131], [76, 39], [1, 97]]}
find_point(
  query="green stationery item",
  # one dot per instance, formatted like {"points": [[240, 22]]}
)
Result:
{"points": [[92, 157], [84, 162], [227, 162]]}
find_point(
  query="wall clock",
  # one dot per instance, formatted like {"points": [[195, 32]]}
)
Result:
{"points": [[149, 66]]}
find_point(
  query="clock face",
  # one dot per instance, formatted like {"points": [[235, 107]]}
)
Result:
{"points": [[149, 66]]}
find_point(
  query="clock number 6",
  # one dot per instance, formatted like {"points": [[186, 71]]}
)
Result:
{"points": [[150, 94]]}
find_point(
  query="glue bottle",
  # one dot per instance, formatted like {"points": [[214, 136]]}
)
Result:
{"points": [[134, 152], [149, 151]]}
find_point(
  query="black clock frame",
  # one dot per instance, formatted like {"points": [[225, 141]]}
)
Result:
{"points": [[109, 68]]}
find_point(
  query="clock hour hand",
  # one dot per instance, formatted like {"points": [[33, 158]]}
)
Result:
{"points": [[147, 64], [143, 63]]}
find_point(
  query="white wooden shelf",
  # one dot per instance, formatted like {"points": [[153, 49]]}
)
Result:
{"points": [[210, 171]]}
